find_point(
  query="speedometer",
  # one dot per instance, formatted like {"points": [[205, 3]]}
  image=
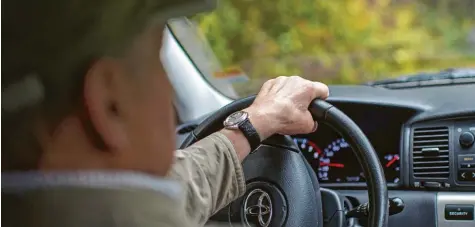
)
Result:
{"points": [[338, 163], [333, 163]]}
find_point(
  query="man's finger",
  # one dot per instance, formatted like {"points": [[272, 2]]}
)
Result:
{"points": [[280, 82], [315, 127], [320, 90], [268, 84], [310, 125]]}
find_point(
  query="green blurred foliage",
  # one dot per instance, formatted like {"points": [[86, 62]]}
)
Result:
{"points": [[340, 41]]}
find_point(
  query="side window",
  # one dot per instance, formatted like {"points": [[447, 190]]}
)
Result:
{"points": [[200, 53]]}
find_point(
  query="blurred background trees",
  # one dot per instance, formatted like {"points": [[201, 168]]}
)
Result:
{"points": [[339, 41]]}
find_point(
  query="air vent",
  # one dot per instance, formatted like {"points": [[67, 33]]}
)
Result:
{"points": [[431, 152], [186, 129]]}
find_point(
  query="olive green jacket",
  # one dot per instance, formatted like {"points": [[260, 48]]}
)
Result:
{"points": [[205, 178]]}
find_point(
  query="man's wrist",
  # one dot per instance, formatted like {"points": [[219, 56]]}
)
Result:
{"points": [[262, 123]]}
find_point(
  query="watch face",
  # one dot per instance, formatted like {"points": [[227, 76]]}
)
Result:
{"points": [[235, 118]]}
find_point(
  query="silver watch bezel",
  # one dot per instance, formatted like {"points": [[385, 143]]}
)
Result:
{"points": [[230, 123]]}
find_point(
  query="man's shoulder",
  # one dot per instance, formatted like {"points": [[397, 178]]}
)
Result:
{"points": [[74, 206]]}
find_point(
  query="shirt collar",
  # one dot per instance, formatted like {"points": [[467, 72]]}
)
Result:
{"points": [[17, 182]]}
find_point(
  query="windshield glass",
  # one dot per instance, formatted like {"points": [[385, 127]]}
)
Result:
{"points": [[336, 42]]}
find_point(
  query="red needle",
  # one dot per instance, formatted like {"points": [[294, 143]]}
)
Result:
{"points": [[395, 158], [338, 165], [314, 146]]}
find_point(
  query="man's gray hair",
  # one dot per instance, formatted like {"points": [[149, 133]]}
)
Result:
{"points": [[48, 46]]}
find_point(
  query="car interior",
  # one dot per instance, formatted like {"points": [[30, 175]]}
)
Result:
{"points": [[425, 144], [399, 150], [412, 137]]}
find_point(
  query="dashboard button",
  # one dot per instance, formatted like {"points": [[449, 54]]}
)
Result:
{"points": [[466, 176], [466, 139], [467, 165], [433, 185], [459, 212], [465, 159]]}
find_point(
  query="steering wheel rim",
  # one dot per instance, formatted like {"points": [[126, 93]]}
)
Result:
{"points": [[322, 111]]}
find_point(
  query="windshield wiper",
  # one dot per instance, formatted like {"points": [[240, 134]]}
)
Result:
{"points": [[442, 78]]}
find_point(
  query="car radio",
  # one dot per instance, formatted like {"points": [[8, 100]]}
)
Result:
{"points": [[464, 151]]}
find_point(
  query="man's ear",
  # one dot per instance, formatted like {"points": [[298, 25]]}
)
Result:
{"points": [[101, 99]]}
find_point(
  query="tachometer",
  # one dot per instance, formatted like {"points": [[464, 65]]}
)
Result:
{"points": [[334, 163]]}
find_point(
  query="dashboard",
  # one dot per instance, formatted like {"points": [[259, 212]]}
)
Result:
{"points": [[424, 138], [333, 159], [415, 133]]}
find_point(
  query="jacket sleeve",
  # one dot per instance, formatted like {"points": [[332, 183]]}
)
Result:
{"points": [[212, 173]]}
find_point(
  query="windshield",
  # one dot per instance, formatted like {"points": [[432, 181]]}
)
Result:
{"points": [[246, 42]]}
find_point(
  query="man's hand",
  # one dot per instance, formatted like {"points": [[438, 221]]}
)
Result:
{"points": [[281, 106]]}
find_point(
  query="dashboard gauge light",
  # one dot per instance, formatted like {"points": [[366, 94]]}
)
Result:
{"points": [[336, 163], [391, 159], [315, 155]]}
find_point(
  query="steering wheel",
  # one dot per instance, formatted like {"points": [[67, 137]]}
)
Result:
{"points": [[282, 188]]}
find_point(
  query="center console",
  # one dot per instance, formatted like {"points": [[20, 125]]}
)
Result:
{"points": [[442, 159], [455, 209], [464, 151], [442, 155]]}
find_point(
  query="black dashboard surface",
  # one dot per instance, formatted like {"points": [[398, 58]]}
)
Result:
{"points": [[430, 102], [389, 118], [334, 160], [384, 115]]}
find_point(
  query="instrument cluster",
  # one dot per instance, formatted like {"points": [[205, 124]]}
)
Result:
{"points": [[334, 161]]}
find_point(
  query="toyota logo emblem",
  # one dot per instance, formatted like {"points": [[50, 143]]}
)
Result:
{"points": [[258, 208]]}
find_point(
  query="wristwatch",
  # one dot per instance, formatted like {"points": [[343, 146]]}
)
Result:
{"points": [[240, 121]]}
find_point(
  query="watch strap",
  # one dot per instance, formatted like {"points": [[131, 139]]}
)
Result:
{"points": [[250, 133]]}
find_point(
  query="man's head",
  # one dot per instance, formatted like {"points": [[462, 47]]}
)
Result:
{"points": [[102, 99]]}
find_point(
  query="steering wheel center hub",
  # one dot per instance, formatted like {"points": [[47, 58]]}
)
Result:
{"points": [[262, 205]]}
